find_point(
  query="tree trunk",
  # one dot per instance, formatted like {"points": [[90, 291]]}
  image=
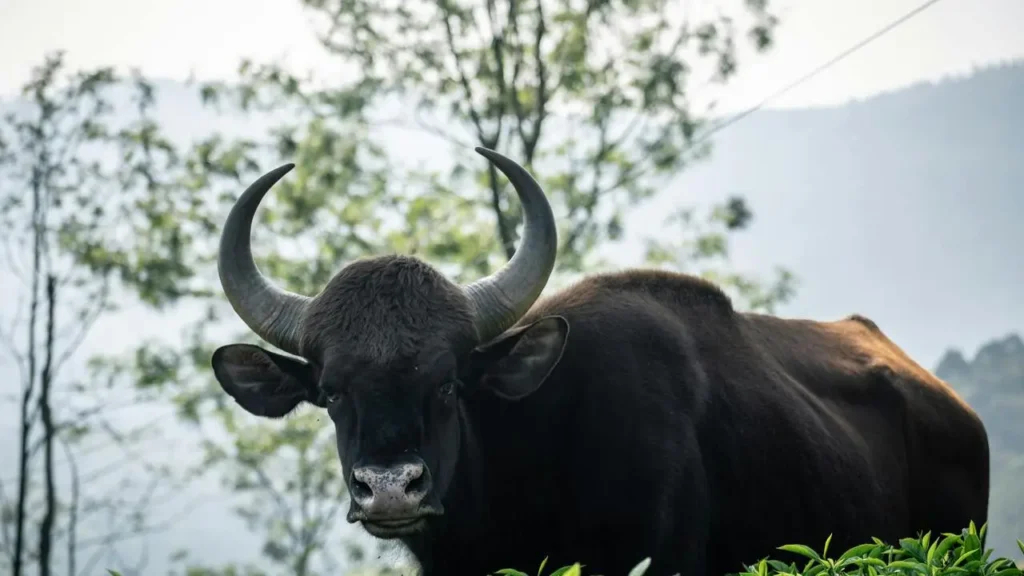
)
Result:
{"points": [[30, 377], [72, 541], [46, 526]]}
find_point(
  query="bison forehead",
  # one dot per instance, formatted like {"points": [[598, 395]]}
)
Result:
{"points": [[386, 307]]}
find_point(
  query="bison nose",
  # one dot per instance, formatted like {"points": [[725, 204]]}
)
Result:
{"points": [[393, 492]]}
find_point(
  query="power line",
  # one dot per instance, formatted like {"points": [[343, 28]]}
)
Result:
{"points": [[833, 61]]}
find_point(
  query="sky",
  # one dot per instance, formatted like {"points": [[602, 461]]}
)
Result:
{"points": [[206, 39]]}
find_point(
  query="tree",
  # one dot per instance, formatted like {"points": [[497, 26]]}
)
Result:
{"points": [[597, 98], [73, 188], [594, 97]]}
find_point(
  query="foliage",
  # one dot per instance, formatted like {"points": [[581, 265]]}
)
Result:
{"points": [[312, 486], [595, 97], [963, 554], [75, 226]]}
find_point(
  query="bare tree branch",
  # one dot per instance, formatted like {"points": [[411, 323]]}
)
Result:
{"points": [[5, 528], [72, 528], [504, 230], [88, 320], [530, 145], [46, 526]]}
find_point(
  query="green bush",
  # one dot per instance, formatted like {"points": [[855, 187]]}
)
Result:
{"points": [[961, 554]]}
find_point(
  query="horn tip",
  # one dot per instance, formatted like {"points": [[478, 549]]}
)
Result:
{"points": [[486, 152]]}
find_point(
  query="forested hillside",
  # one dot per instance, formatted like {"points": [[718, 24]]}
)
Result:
{"points": [[993, 383]]}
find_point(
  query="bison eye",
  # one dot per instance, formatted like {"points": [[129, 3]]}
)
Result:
{"points": [[331, 397], [447, 388]]}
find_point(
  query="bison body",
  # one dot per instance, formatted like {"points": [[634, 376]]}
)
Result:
{"points": [[633, 415]]}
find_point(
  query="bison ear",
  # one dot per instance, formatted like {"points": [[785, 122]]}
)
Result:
{"points": [[262, 382], [515, 364]]}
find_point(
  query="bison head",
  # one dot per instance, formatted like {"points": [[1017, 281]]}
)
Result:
{"points": [[391, 348]]}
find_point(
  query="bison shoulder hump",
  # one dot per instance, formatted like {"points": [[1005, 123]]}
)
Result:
{"points": [[865, 322]]}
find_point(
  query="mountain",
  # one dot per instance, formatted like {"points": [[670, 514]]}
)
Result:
{"points": [[904, 207], [993, 383]]}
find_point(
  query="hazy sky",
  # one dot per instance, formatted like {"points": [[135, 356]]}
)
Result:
{"points": [[208, 37]]}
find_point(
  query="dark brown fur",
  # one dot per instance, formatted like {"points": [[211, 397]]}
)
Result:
{"points": [[384, 308], [671, 426], [806, 428]]}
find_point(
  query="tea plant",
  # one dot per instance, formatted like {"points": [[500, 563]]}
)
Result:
{"points": [[961, 554]]}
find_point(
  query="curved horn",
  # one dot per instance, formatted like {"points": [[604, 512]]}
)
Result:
{"points": [[270, 312], [502, 298]]}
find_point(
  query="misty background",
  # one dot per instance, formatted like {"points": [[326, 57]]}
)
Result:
{"points": [[888, 184]]}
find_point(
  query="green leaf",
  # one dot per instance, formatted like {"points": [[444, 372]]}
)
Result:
{"points": [[913, 548], [824, 551], [801, 550], [641, 568], [867, 562], [857, 551], [908, 565], [571, 570], [944, 546]]}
